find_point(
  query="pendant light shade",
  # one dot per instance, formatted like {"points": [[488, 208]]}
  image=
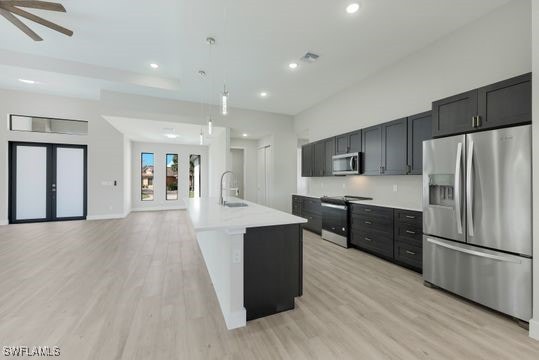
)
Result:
{"points": [[210, 126], [224, 102], [201, 137]]}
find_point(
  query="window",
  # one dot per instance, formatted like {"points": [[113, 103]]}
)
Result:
{"points": [[194, 176], [47, 125], [146, 176], [172, 176]]}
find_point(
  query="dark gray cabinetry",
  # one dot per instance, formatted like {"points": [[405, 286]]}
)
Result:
{"points": [[348, 143], [330, 151], [394, 147], [505, 103], [408, 250], [372, 150], [419, 130], [310, 209], [307, 160], [319, 158], [371, 229], [455, 114]]}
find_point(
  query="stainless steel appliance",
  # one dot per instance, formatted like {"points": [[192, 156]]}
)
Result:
{"points": [[477, 213], [347, 164], [335, 218]]}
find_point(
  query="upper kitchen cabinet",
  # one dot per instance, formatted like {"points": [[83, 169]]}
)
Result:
{"points": [[348, 143], [505, 103], [319, 158], [419, 130], [330, 151], [455, 114], [372, 150], [394, 147], [307, 160]]}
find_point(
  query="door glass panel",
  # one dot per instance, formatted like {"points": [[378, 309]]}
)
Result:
{"points": [[31, 175], [69, 182], [147, 167]]}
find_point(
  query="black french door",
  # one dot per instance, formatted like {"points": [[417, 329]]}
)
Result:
{"points": [[47, 182]]}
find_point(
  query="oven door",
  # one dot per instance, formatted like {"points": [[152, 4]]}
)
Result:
{"points": [[347, 164], [335, 219]]}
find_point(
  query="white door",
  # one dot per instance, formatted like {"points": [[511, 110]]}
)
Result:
{"points": [[70, 184]]}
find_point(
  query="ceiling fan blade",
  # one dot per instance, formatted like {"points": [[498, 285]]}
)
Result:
{"points": [[34, 4], [25, 29], [39, 20]]}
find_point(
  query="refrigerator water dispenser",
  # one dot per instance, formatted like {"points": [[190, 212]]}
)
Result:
{"points": [[442, 190]]}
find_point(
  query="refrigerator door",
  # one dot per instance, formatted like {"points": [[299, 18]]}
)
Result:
{"points": [[498, 189], [497, 280], [443, 188]]}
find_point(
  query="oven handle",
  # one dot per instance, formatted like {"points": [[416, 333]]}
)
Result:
{"points": [[333, 206]]}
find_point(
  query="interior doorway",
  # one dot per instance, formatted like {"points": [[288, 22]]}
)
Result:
{"points": [[238, 168], [47, 182]]}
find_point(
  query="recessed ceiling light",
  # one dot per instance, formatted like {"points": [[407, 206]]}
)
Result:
{"points": [[31, 82], [352, 8], [263, 94], [154, 66], [244, 135], [171, 136], [293, 65]]}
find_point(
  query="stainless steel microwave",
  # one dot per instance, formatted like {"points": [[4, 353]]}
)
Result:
{"points": [[347, 164]]}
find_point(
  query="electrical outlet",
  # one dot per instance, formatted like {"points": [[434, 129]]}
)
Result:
{"points": [[395, 188], [236, 256]]}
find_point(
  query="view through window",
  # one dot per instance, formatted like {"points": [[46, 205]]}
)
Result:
{"points": [[147, 167], [194, 176], [172, 176]]}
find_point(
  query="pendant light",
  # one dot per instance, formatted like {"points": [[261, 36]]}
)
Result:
{"points": [[224, 102], [211, 42], [201, 136], [210, 125]]}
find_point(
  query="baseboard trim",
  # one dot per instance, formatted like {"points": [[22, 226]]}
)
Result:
{"points": [[534, 329], [160, 208], [105, 217], [3, 222]]}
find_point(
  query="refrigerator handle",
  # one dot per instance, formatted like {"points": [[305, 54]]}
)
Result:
{"points": [[469, 189], [474, 252], [458, 166]]}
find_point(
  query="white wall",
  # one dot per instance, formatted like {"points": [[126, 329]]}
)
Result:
{"points": [[250, 160], [160, 151], [237, 166], [493, 48], [219, 157], [534, 323], [127, 182], [105, 146]]}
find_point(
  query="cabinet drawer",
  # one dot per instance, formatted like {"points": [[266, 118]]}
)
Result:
{"points": [[313, 206], [374, 242], [407, 216], [408, 233], [409, 255], [372, 210], [372, 223]]}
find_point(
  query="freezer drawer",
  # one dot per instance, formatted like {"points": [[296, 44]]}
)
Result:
{"points": [[497, 280]]}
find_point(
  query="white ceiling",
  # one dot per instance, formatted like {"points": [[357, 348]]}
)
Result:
{"points": [[145, 130], [115, 41]]}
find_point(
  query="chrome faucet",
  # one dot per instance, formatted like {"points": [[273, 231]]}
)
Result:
{"points": [[221, 200]]}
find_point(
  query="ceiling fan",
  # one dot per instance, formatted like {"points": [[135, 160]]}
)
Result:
{"points": [[10, 8]]}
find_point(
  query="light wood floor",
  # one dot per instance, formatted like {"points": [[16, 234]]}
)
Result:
{"points": [[138, 289]]}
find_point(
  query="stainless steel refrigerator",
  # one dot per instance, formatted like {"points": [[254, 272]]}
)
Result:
{"points": [[477, 218]]}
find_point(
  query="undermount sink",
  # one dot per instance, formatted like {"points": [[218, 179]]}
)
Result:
{"points": [[235, 204]]}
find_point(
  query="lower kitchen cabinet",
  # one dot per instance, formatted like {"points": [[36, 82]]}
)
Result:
{"points": [[392, 234], [310, 209]]}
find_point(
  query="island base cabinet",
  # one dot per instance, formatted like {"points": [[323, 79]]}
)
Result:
{"points": [[273, 269]]}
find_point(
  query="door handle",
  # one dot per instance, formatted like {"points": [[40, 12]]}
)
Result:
{"points": [[469, 189], [368, 222], [458, 166], [410, 252], [473, 252], [410, 217], [410, 232], [368, 239]]}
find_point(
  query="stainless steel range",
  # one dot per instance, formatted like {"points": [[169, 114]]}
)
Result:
{"points": [[335, 218]]}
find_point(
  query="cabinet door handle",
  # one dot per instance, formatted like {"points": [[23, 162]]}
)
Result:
{"points": [[478, 121], [367, 210], [410, 217], [410, 232], [368, 222], [473, 121], [410, 252], [368, 239]]}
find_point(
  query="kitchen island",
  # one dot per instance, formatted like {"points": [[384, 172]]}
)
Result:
{"points": [[254, 256]]}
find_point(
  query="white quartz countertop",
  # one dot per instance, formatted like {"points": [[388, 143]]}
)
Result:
{"points": [[207, 214]]}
